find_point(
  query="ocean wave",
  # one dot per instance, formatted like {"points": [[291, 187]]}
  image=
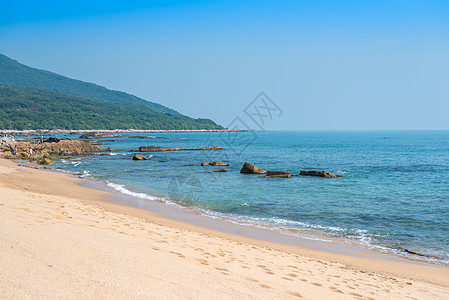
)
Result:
{"points": [[121, 188], [85, 174]]}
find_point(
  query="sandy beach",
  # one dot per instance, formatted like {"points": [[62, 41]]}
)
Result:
{"points": [[61, 240]]}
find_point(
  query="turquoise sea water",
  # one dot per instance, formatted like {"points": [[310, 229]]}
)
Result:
{"points": [[394, 193]]}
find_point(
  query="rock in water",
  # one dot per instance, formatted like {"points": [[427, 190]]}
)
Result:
{"points": [[251, 169], [46, 155], [279, 174], [139, 157], [217, 163], [160, 149], [203, 164], [318, 174], [45, 161], [90, 135], [221, 170]]}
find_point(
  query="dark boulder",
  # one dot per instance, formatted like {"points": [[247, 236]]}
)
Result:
{"points": [[318, 174], [221, 170], [251, 169], [279, 174], [139, 157], [52, 140]]}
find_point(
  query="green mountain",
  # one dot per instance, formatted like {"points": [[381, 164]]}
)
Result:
{"points": [[74, 104], [15, 74], [21, 108]]}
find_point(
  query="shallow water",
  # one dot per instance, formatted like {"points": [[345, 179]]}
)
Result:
{"points": [[394, 193]]}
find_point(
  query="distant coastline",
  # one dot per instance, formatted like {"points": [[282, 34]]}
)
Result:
{"points": [[37, 132]]}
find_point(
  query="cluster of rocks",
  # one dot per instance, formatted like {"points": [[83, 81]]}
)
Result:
{"points": [[46, 160], [249, 168], [252, 169], [51, 146]]}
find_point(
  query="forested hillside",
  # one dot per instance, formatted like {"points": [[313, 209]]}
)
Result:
{"points": [[21, 108], [15, 74]]}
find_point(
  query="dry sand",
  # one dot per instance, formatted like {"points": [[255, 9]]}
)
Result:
{"points": [[61, 240]]}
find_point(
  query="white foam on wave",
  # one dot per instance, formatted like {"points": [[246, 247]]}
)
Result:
{"points": [[115, 153], [85, 174], [121, 188], [274, 224], [340, 172]]}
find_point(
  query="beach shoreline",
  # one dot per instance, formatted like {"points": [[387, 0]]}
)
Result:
{"points": [[237, 230], [42, 184]]}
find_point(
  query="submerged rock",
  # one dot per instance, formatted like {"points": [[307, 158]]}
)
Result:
{"points": [[97, 135], [218, 163], [318, 174], [90, 135], [139, 157], [221, 170], [215, 164], [279, 174], [161, 149], [251, 169], [139, 137]]}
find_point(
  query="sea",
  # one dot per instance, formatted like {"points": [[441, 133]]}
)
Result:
{"points": [[393, 196]]}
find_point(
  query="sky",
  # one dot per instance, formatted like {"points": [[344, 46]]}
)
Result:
{"points": [[327, 65]]}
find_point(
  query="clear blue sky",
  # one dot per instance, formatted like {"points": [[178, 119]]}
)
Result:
{"points": [[327, 64]]}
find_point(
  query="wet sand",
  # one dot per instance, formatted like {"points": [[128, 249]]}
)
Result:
{"points": [[62, 240]]}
